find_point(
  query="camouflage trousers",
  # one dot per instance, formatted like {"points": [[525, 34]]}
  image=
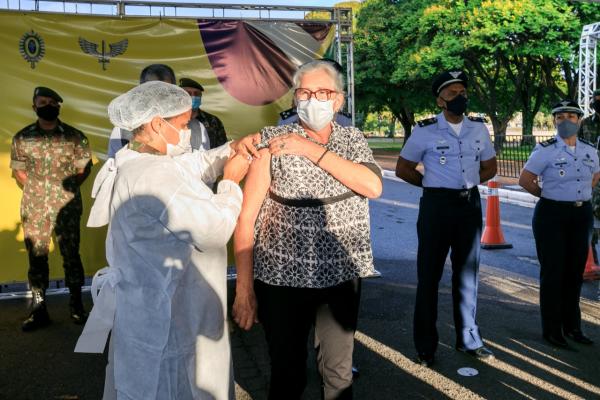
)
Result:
{"points": [[38, 228]]}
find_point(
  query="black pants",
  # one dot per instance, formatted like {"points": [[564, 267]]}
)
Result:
{"points": [[287, 314], [448, 220], [562, 234]]}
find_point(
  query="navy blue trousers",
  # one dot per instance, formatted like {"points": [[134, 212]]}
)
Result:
{"points": [[562, 238], [448, 221]]}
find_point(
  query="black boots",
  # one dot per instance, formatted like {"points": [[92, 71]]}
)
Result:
{"points": [[38, 318], [78, 314]]}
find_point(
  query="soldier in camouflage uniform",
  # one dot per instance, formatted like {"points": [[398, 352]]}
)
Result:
{"points": [[590, 131], [214, 126], [50, 159]]}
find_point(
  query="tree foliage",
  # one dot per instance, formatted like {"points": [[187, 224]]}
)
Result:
{"points": [[519, 54], [382, 32]]}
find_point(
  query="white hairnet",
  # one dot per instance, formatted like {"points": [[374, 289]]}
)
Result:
{"points": [[146, 101]]}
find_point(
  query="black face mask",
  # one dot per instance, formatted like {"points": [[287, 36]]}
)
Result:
{"points": [[596, 106], [48, 112], [457, 105]]}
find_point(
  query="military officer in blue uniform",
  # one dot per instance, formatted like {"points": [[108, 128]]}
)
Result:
{"points": [[457, 154], [567, 168]]}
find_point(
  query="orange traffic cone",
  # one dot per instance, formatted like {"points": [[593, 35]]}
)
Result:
{"points": [[492, 237], [592, 271]]}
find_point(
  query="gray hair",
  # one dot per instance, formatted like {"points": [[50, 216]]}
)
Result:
{"points": [[327, 66]]}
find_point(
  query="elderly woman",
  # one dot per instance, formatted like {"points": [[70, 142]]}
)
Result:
{"points": [[302, 243], [568, 168], [165, 288]]}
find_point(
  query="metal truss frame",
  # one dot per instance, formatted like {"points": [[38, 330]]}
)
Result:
{"points": [[588, 66], [340, 17]]}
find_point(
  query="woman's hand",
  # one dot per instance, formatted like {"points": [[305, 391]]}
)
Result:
{"points": [[244, 308], [295, 144], [236, 167], [246, 145]]}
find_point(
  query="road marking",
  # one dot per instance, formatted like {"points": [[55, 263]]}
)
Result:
{"points": [[414, 206], [429, 376]]}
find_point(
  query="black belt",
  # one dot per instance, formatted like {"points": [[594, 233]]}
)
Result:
{"points": [[579, 203], [311, 202], [447, 192]]}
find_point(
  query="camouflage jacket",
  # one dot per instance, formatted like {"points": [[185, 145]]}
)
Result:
{"points": [[52, 160], [214, 128], [590, 129]]}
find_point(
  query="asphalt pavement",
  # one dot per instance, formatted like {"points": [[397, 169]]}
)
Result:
{"points": [[41, 365]]}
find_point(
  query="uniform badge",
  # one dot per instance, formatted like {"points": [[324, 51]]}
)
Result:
{"points": [[561, 172], [443, 160], [32, 48], [103, 55]]}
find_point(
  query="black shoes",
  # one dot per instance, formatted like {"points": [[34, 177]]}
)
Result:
{"points": [[38, 318], [78, 314], [557, 340], [578, 336], [480, 353], [425, 360]]}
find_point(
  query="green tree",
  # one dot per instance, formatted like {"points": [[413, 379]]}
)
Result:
{"points": [[383, 29], [519, 54]]}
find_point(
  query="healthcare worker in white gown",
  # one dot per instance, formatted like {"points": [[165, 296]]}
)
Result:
{"points": [[164, 292]]}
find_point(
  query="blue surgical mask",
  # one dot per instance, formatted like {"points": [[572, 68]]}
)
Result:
{"points": [[567, 128], [196, 101]]}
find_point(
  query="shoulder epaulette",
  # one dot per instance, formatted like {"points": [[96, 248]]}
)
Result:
{"points": [[427, 122], [477, 119], [548, 142], [287, 113], [587, 142]]}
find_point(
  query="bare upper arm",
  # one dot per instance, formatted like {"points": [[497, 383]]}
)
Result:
{"points": [[404, 164], [491, 163], [527, 177], [256, 186]]}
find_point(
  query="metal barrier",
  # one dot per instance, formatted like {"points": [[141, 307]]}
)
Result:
{"points": [[513, 151]]}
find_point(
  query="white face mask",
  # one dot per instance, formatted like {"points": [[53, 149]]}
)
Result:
{"points": [[314, 113], [183, 146]]}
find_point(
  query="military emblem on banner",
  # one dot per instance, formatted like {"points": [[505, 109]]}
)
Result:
{"points": [[101, 52], [32, 48]]}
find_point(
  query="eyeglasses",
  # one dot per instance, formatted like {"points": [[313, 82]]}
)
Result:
{"points": [[321, 94]]}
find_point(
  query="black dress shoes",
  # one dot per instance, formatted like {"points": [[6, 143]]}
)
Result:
{"points": [[578, 336], [481, 353], [557, 340], [425, 360]]}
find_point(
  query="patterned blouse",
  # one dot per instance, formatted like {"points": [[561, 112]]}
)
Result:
{"points": [[324, 240]]}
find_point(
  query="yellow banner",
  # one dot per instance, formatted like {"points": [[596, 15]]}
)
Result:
{"points": [[89, 60]]}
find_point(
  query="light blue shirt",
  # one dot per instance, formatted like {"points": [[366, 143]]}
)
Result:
{"points": [[566, 174], [451, 161]]}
